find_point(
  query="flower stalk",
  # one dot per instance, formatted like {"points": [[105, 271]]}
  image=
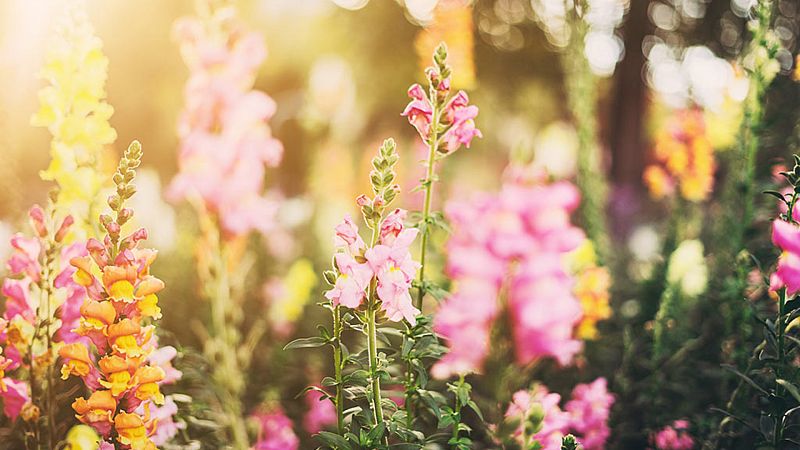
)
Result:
{"points": [[581, 88]]}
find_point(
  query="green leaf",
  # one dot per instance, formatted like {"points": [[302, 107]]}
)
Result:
{"points": [[310, 342], [747, 379], [789, 387], [333, 440]]}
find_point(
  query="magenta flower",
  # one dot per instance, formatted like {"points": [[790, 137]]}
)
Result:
{"points": [[320, 412], [786, 236], [589, 410], [465, 320], [75, 294], [517, 238], [275, 431], [555, 420], [674, 437], [15, 395]]}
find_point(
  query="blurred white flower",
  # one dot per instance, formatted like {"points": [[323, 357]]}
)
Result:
{"points": [[687, 268], [556, 149], [152, 212], [644, 243]]}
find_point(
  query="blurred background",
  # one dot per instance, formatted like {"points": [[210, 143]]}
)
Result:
{"points": [[339, 71]]}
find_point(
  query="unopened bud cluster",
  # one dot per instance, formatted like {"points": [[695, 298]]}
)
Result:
{"points": [[382, 179]]}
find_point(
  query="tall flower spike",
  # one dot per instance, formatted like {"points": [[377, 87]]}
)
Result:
{"points": [[121, 378], [74, 110], [225, 139], [516, 239]]}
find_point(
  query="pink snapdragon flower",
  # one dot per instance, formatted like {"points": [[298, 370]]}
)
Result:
{"points": [[347, 236], [589, 410], [225, 139], [585, 415], [320, 413], [554, 422], [392, 264], [419, 110], [15, 396], [275, 431], [389, 261], [352, 282], [75, 294], [458, 116], [674, 437], [786, 236], [517, 238]]}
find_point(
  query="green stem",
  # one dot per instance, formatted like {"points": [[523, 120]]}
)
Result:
{"points": [[372, 339], [778, 431], [433, 148], [227, 371], [581, 90], [457, 410], [372, 348], [337, 361]]}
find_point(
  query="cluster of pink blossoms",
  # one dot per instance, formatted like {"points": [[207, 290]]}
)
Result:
{"points": [[22, 291], [275, 431], [458, 116], [389, 261], [786, 236], [512, 243], [674, 437], [226, 142], [585, 415]]}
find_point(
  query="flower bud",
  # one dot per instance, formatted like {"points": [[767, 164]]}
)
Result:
{"points": [[362, 200], [64, 228], [37, 220]]}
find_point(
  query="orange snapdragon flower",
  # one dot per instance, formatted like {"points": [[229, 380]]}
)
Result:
{"points": [[116, 317], [684, 159]]}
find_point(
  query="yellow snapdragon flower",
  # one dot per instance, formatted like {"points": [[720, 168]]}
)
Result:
{"points": [[74, 110], [592, 284]]}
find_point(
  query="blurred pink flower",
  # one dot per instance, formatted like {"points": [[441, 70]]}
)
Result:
{"points": [[320, 412], [226, 142], [275, 431], [162, 357], [674, 437], [786, 236], [586, 414], [164, 416], [589, 410], [517, 238], [555, 420]]}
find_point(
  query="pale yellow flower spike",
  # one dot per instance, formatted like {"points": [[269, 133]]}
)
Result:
{"points": [[74, 110]]}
